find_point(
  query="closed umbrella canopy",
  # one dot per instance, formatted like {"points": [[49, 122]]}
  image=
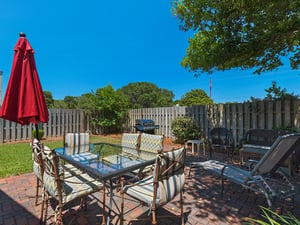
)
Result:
{"points": [[24, 101]]}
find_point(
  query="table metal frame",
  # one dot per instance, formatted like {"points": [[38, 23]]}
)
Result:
{"points": [[97, 173]]}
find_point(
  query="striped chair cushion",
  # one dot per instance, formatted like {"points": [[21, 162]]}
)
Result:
{"points": [[76, 139], [166, 191], [169, 158], [71, 186], [151, 143], [130, 143], [170, 182], [37, 170], [77, 149], [145, 155], [37, 158], [85, 157], [70, 169]]}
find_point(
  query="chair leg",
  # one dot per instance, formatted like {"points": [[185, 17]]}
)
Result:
{"points": [[59, 220], [153, 217], [222, 188], [37, 190], [42, 211], [122, 202], [181, 208], [191, 166], [85, 203], [46, 208], [154, 222]]}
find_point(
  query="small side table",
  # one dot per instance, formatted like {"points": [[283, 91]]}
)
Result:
{"points": [[197, 143]]}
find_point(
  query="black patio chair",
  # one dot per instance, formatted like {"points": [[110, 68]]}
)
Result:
{"points": [[221, 140]]}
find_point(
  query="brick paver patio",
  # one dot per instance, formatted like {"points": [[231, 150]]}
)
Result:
{"points": [[202, 204]]}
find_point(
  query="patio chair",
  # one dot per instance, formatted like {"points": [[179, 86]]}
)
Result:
{"points": [[164, 185], [63, 186], [130, 143], [262, 177], [76, 141], [129, 146], [150, 145], [38, 167], [221, 140]]}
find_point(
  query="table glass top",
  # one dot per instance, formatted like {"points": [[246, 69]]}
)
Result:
{"points": [[104, 160]]}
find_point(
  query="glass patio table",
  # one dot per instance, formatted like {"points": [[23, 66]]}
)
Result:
{"points": [[105, 162]]}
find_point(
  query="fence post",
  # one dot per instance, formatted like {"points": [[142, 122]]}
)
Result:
{"points": [[1, 130]]}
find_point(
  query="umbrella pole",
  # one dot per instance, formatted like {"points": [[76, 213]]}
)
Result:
{"points": [[37, 132]]}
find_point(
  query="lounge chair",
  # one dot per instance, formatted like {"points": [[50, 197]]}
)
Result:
{"points": [[260, 178]]}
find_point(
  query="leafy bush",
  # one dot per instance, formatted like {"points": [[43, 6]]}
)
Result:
{"points": [[185, 128], [274, 218], [33, 133]]}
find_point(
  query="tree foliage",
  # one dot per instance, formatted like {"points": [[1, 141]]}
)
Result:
{"points": [[113, 109], [276, 93], [242, 33], [59, 104], [146, 95], [106, 109], [185, 128], [195, 97], [71, 102], [49, 99]]}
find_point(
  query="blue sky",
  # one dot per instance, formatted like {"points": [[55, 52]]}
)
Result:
{"points": [[84, 45]]}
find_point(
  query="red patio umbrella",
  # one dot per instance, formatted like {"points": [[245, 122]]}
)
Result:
{"points": [[24, 100]]}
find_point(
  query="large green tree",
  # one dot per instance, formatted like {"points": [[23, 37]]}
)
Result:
{"points": [[71, 102], [241, 33], [106, 109], [113, 109], [146, 95], [195, 97], [49, 99]]}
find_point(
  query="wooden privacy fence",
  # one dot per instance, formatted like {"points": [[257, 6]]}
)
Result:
{"points": [[60, 120], [238, 117]]}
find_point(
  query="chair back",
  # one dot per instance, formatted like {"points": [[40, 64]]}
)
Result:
{"points": [[221, 136], [76, 139], [151, 142], [150, 145], [130, 143], [263, 137], [169, 177], [38, 166], [53, 175], [279, 151]]}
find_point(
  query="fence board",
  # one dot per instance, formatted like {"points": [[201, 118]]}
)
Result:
{"points": [[278, 114], [1, 129], [10, 131], [238, 117]]}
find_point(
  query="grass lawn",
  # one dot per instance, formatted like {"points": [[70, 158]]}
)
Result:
{"points": [[16, 158]]}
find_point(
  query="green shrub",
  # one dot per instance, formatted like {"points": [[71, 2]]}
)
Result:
{"points": [[33, 133], [271, 218], [185, 128]]}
